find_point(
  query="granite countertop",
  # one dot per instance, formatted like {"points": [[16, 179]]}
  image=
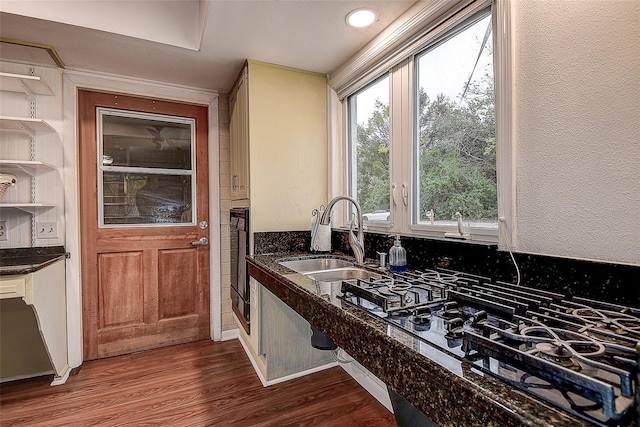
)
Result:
{"points": [[28, 260], [450, 391]]}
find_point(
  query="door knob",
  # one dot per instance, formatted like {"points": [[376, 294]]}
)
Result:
{"points": [[202, 242]]}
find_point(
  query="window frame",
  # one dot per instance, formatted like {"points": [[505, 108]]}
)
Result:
{"points": [[102, 169], [346, 82]]}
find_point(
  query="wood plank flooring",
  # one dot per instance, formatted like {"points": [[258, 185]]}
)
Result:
{"points": [[197, 384]]}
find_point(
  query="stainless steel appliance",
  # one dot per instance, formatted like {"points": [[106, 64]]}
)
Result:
{"points": [[577, 354], [239, 236]]}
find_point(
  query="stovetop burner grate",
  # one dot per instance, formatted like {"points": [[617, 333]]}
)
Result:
{"points": [[581, 350]]}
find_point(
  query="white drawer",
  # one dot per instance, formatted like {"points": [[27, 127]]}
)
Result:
{"points": [[13, 286]]}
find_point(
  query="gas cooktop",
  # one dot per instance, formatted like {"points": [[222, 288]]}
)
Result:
{"points": [[577, 354]]}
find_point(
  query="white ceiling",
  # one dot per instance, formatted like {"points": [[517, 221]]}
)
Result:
{"points": [[196, 43]]}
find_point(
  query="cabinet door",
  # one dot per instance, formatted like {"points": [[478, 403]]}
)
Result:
{"points": [[239, 132]]}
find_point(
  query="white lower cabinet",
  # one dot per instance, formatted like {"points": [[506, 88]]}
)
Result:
{"points": [[33, 324], [280, 340]]}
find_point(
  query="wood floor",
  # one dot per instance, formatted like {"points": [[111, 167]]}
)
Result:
{"points": [[198, 384]]}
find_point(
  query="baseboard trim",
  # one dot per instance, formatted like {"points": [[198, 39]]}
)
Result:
{"points": [[61, 379], [267, 383], [230, 335], [263, 380], [301, 374]]}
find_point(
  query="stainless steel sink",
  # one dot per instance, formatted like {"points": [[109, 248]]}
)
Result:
{"points": [[311, 265], [340, 274]]}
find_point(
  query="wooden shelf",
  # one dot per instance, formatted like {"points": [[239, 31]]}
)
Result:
{"points": [[31, 208], [25, 124], [27, 166], [24, 84]]}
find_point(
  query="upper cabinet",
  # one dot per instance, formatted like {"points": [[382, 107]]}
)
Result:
{"points": [[239, 133]]}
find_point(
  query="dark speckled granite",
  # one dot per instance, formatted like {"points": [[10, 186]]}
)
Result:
{"points": [[450, 393], [28, 260], [278, 241], [614, 283], [457, 396]]}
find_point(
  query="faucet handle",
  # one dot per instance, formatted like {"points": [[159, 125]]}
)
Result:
{"points": [[356, 245]]}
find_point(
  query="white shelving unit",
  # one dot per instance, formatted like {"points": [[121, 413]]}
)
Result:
{"points": [[30, 85], [25, 124], [29, 167], [32, 208]]}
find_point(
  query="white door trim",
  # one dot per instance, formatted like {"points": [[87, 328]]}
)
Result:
{"points": [[74, 80]]}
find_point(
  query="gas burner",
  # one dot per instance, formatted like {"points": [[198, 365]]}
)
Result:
{"points": [[394, 289], [560, 344], [618, 323], [439, 277], [392, 284], [555, 353]]}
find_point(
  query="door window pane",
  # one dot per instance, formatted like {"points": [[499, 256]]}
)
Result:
{"points": [[145, 167], [146, 199], [146, 143], [455, 153], [369, 140]]}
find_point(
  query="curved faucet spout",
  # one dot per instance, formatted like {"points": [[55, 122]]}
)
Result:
{"points": [[357, 243]]}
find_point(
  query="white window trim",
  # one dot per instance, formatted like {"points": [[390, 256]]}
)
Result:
{"points": [[421, 26], [504, 103]]}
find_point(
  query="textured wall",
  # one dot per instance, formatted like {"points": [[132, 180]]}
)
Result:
{"points": [[577, 115]]}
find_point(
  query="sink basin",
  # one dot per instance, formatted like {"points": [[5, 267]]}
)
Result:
{"points": [[340, 274], [310, 265]]}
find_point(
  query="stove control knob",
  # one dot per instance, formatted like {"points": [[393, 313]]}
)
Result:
{"points": [[450, 310], [454, 327], [479, 318]]}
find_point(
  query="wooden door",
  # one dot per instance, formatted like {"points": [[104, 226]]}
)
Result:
{"points": [[144, 283]]}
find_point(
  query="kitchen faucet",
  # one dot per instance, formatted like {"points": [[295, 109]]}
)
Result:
{"points": [[357, 244]]}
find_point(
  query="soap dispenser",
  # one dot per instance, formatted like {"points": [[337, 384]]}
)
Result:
{"points": [[397, 257]]}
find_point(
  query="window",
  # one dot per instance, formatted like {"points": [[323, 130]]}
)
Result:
{"points": [[146, 172], [369, 150], [455, 144], [421, 129]]}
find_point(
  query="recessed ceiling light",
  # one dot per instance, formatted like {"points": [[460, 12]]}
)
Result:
{"points": [[361, 18]]}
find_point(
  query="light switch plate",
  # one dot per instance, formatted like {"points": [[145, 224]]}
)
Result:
{"points": [[47, 230], [4, 232]]}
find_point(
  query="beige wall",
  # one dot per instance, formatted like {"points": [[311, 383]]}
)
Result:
{"points": [[288, 146]]}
